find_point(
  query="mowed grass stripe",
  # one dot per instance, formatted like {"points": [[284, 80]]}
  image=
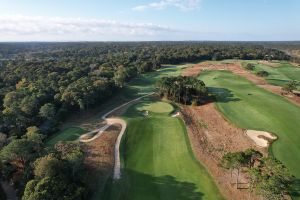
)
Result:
{"points": [[251, 107], [159, 162], [68, 134]]}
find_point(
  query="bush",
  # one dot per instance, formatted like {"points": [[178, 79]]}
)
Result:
{"points": [[262, 73], [250, 66]]}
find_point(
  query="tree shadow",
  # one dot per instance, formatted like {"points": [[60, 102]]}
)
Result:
{"points": [[295, 189], [222, 95], [140, 186]]}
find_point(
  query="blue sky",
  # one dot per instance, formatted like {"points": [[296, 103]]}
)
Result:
{"points": [[106, 20]]}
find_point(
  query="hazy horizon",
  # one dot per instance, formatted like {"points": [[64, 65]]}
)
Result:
{"points": [[149, 20]]}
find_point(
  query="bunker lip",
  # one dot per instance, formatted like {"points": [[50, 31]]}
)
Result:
{"points": [[261, 138]]}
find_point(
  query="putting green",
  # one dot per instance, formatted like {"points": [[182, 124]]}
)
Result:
{"points": [[68, 134], [159, 162], [156, 107], [251, 107]]}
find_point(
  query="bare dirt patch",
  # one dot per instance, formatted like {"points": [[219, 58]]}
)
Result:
{"points": [[239, 70], [99, 157], [211, 136]]}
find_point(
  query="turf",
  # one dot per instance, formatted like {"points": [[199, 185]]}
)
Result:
{"points": [[158, 160], [68, 134], [156, 107], [279, 75], [251, 107]]}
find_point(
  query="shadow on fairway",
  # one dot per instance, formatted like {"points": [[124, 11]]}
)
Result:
{"points": [[140, 186], [223, 95], [295, 190]]}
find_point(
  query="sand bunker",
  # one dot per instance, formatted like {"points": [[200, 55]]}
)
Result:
{"points": [[261, 138], [176, 114]]}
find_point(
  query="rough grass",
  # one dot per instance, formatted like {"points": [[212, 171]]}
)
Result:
{"points": [[68, 134], [159, 162], [251, 107]]}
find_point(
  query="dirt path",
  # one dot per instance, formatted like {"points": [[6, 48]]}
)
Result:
{"points": [[9, 191], [239, 70], [109, 122]]}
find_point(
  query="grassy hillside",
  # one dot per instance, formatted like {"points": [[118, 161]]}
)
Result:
{"points": [[251, 107], [158, 160]]}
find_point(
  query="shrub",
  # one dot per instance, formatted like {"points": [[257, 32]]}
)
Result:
{"points": [[262, 73], [250, 66]]}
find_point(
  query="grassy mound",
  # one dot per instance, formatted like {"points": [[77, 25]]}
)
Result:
{"points": [[158, 160]]}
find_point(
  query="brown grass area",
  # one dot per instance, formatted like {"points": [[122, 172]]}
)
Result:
{"points": [[99, 158], [211, 136], [239, 70]]}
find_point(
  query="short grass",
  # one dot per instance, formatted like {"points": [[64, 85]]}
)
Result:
{"points": [[156, 107], [158, 160], [280, 75], [68, 134], [251, 107]]}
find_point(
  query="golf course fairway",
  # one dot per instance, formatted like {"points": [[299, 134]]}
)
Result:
{"points": [[251, 107], [279, 75], [158, 159]]}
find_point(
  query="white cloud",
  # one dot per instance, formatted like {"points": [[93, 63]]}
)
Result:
{"points": [[18, 27], [184, 5]]}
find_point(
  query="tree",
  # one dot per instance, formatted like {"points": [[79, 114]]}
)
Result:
{"points": [[290, 86], [250, 66], [252, 155], [49, 188], [182, 89], [233, 161], [48, 111], [120, 76], [58, 175], [3, 139], [33, 133], [17, 156], [275, 179], [262, 73]]}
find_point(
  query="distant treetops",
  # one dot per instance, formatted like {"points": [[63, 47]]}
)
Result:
{"points": [[183, 89]]}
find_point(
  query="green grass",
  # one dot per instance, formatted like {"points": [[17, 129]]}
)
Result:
{"points": [[145, 83], [157, 107], [251, 107], [280, 75], [68, 134], [158, 160]]}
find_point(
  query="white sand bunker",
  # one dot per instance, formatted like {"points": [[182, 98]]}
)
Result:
{"points": [[175, 114], [261, 138]]}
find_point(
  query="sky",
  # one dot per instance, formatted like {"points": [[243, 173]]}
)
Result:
{"points": [[149, 20]]}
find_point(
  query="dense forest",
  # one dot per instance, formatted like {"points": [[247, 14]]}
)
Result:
{"points": [[40, 83]]}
